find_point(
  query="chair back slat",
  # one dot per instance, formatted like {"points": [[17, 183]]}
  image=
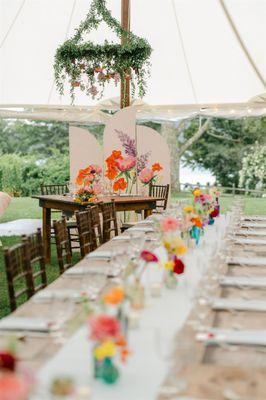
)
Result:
{"points": [[63, 246], [110, 226], [18, 272], [84, 224], [97, 238], [161, 191], [37, 259], [58, 189]]}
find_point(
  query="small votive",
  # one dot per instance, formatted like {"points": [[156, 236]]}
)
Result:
{"points": [[133, 319], [156, 289], [83, 393]]}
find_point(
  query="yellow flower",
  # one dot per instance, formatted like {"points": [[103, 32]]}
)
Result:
{"points": [[188, 209], [106, 349], [197, 192], [169, 265], [180, 250]]}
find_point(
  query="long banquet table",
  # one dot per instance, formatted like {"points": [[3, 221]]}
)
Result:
{"points": [[165, 352]]}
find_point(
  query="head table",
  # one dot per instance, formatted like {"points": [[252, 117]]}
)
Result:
{"points": [[168, 357], [66, 203]]}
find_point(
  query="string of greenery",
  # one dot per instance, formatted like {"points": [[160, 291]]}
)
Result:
{"points": [[90, 66]]}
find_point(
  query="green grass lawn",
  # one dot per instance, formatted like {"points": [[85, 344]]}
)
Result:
{"points": [[21, 208]]}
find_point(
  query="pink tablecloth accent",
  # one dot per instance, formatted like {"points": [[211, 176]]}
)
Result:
{"points": [[4, 202]]}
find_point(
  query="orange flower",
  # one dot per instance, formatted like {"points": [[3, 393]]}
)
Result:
{"points": [[120, 184], [157, 167], [124, 353], [82, 175], [114, 296], [121, 341], [197, 222], [111, 172]]}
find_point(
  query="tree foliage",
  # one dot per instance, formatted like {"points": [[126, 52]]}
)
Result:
{"points": [[223, 146]]}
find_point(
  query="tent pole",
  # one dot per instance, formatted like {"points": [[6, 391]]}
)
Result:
{"points": [[125, 83]]}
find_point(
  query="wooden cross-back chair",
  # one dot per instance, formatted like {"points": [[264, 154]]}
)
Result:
{"points": [[85, 230], [97, 238], [109, 220], [63, 247], [18, 273], [161, 191], [35, 251], [60, 189]]}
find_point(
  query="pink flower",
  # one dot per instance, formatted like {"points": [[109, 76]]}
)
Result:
{"points": [[103, 327], [148, 256], [97, 188], [146, 175], [13, 387], [126, 164], [93, 91], [96, 168], [169, 224]]}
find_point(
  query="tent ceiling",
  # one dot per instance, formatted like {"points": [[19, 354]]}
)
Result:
{"points": [[31, 30]]}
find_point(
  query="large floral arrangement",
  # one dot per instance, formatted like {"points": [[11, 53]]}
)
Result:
{"points": [[14, 384], [89, 66], [123, 169], [89, 181]]}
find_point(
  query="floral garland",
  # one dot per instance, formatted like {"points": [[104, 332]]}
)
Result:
{"points": [[90, 67]]}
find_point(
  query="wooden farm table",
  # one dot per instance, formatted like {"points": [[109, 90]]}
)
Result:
{"points": [[67, 203]]}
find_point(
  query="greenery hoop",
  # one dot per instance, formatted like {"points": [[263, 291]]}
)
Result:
{"points": [[91, 66]]}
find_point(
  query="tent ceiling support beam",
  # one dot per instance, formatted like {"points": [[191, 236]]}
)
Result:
{"points": [[242, 44]]}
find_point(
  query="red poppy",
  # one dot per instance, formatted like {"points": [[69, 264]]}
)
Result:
{"points": [[179, 266], [148, 256], [7, 361], [157, 167], [120, 184]]}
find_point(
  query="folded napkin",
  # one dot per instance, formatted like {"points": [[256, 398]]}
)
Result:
{"points": [[26, 324], [101, 269], [251, 241], [260, 261], [239, 304], [252, 232], [60, 294], [121, 238], [253, 225], [141, 229], [244, 337], [251, 282], [100, 254]]}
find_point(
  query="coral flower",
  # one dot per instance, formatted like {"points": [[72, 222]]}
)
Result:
{"points": [[126, 164], [114, 296], [116, 154], [12, 387], [169, 224], [157, 167], [146, 175], [120, 184], [148, 256], [179, 266], [103, 327], [111, 172]]}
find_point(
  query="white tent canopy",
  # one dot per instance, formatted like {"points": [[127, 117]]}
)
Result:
{"points": [[197, 58]]}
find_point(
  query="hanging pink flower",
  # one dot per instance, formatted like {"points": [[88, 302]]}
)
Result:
{"points": [[97, 188], [116, 78], [126, 164], [93, 91], [146, 175]]}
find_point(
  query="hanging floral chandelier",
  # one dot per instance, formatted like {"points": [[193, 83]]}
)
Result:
{"points": [[90, 66]]}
